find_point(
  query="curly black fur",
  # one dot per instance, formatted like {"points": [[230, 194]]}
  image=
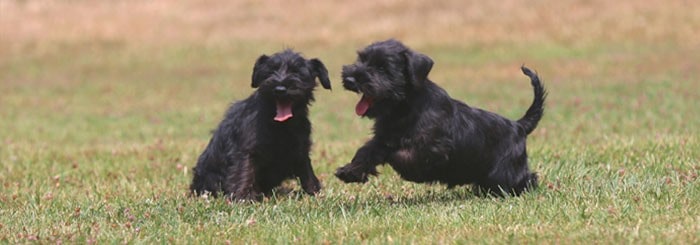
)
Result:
{"points": [[425, 135], [265, 138]]}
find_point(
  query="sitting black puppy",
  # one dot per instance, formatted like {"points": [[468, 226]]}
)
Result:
{"points": [[425, 135], [265, 138]]}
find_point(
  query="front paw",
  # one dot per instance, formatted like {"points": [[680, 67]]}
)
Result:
{"points": [[311, 187], [245, 196], [350, 174]]}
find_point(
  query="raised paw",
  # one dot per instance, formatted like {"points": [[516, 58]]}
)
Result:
{"points": [[350, 174]]}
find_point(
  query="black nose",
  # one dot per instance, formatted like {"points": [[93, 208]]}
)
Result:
{"points": [[349, 80], [280, 89]]}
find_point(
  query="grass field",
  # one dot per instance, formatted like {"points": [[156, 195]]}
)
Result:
{"points": [[105, 106]]}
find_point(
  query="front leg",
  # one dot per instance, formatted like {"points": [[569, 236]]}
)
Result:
{"points": [[364, 163], [241, 182], [308, 179]]}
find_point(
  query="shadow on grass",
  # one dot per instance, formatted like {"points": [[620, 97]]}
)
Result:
{"points": [[418, 198], [436, 196]]}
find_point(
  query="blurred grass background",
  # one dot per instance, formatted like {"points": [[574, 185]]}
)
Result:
{"points": [[105, 105]]}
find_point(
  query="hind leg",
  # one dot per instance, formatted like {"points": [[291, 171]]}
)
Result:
{"points": [[209, 173], [206, 181], [508, 178], [501, 189]]}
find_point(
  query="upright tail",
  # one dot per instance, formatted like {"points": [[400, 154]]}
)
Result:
{"points": [[533, 115]]}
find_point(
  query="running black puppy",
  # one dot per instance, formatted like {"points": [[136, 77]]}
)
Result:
{"points": [[265, 138], [425, 135]]}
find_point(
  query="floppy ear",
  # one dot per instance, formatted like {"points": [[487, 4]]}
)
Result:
{"points": [[319, 70], [257, 76], [418, 66]]}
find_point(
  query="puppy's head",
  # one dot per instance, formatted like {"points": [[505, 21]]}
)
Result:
{"points": [[288, 79], [384, 74]]}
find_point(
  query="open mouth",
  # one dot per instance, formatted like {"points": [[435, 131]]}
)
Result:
{"points": [[363, 105], [284, 110]]}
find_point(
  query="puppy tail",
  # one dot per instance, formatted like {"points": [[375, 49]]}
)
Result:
{"points": [[533, 115]]}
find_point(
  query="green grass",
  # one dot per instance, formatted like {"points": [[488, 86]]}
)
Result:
{"points": [[98, 139]]}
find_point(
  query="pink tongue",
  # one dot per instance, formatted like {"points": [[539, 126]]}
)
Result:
{"points": [[363, 105], [284, 111]]}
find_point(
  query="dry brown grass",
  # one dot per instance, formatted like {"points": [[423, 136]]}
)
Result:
{"points": [[334, 22]]}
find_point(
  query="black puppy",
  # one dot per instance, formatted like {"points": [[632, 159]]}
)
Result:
{"points": [[265, 138], [425, 135]]}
